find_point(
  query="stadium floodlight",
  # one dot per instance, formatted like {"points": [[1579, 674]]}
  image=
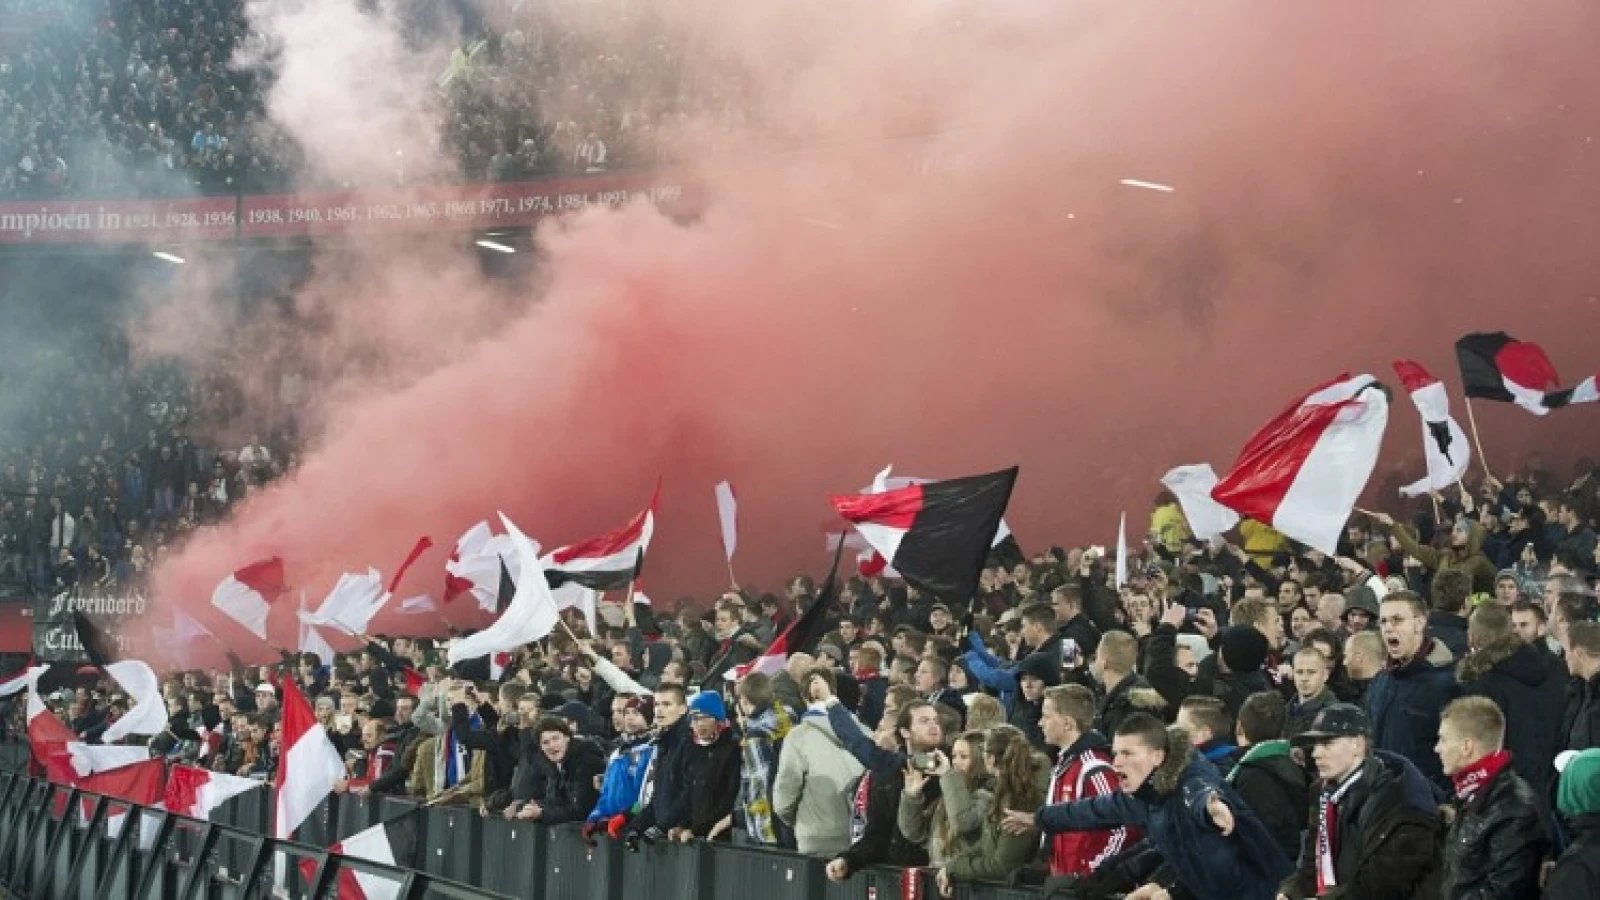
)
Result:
{"points": [[496, 246], [1148, 185], [173, 258]]}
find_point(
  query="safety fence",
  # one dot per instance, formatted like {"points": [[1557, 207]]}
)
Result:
{"points": [[59, 842]]}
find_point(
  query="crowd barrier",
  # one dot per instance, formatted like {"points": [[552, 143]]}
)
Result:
{"points": [[59, 842]]}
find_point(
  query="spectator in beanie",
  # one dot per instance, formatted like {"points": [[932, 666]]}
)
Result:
{"points": [[1576, 875], [1531, 695], [1580, 723], [1212, 844], [1231, 674], [1405, 698], [1446, 622], [1124, 691], [1268, 777], [711, 772], [1497, 839], [814, 776], [1374, 827], [1082, 770], [625, 769]]}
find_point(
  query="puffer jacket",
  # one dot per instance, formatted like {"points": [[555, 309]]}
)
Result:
{"points": [[1277, 788], [1387, 838], [566, 789], [1532, 694], [1495, 844], [1404, 703], [1469, 559], [1132, 694], [811, 791], [1170, 807]]}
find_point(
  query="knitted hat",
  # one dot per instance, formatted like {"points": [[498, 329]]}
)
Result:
{"points": [[708, 703], [1244, 648], [1579, 791], [646, 705]]}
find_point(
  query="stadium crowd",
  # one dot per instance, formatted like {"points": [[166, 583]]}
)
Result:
{"points": [[1417, 716], [140, 98]]}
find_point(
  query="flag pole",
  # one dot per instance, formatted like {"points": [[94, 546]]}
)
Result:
{"points": [[732, 579], [1472, 420]]}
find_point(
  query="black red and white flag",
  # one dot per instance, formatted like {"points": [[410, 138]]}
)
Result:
{"points": [[1444, 444], [936, 534], [1587, 391], [802, 635], [1303, 471], [1496, 366], [392, 843], [605, 562]]}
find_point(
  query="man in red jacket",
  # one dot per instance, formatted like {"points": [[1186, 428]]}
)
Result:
{"points": [[1083, 770]]}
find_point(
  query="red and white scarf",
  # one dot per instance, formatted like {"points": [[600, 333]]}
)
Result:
{"points": [[1327, 838], [1474, 778]]}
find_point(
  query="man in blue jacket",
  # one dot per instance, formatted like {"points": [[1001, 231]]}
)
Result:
{"points": [[1407, 696], [1213, 845], [624, 777]]}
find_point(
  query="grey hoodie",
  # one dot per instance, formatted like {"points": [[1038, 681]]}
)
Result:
{"points": [[815, 774]]}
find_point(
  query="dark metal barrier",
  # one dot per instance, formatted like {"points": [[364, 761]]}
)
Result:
{"points": [[57, 843]]}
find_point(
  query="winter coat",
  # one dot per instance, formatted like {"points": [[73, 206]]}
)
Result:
{"points": [[949, 820], [996, 854], [875, 800], [1469, 559], [1576, 875], [1161, 667], [1277, 788], [565, 791], [1524, 683], [814, 775], [1495, 844], [1170, 807], [1449, 629], [1083, 770], [624, 778], [874, 693], [664, 798], [426, 774], [712, 778], [1404, 703], [1301, 712], [1387, 838], [1580, 724], [1025, 718], [1132, 694]]}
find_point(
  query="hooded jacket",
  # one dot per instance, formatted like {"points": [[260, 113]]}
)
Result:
{"points": [[1495, 844], [1469, 559], [1386, 840], [624, 779], [1404, 702], [1580, 723], [1277, 789], [712, 778], [1132, 694], [1161, 667], [1577, 873], [1170, 807], [810, 794], [1083, 771], [1526, 686], [566, 790]]}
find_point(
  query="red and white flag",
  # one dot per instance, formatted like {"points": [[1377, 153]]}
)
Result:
{"points": [[391, 843], [531, 615], [246, 596], [195, 792], [728, 515], [21, 681], [1192, 486], [48, 736], [606, 562], [1444, 444], [309, 766], [90, 759], [1303, 471], [149, 712]]}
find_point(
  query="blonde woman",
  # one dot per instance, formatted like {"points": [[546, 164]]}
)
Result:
{"points": [[945, 817]]}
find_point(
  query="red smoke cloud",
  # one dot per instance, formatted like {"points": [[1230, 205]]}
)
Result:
{"points": [[1354, 183]]}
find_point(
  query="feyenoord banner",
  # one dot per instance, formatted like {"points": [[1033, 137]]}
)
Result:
{"points": [[55, 621]]}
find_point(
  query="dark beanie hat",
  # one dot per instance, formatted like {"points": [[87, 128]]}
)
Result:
{"points": [[645, 704], [1243, 648]]}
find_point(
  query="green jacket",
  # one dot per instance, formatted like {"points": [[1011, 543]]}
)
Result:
{"points": [[995, 854], [1469, 559]]}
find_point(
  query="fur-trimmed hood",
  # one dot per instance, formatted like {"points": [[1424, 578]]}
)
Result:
{"points": [[1180, 755], [1147, 699], [1509, 653]]}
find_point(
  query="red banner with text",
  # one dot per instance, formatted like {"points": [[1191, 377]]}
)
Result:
{"points": [[475, 206]]}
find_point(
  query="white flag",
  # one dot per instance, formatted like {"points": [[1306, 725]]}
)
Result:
{"points": [[530, 616], [351, 604], [149, 712], [1122, 551], [728, 514]]}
